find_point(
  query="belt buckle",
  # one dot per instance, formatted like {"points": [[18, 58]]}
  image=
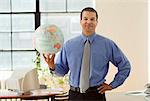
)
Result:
{"points": [[84, 91]]}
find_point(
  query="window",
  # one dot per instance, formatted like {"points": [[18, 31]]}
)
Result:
{"points": [[20, 18], [17, 26]]}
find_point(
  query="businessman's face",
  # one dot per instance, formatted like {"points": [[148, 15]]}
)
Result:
{"points": [[88, 23]]}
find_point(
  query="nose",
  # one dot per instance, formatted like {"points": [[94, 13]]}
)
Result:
{"points": [[88, 21]]}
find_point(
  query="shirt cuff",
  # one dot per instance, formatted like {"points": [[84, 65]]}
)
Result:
{"points": [[114, 84], [52, 71]]}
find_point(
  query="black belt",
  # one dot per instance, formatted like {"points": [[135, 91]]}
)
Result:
{"points": [[90, 89]]}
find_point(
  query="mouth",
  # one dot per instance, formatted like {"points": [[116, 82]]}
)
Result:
{"points": [[89, 27]]}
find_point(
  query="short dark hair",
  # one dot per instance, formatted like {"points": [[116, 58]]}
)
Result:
{"points": [[89, 9]]}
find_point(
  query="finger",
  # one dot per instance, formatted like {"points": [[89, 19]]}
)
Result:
{"points": [[53, 56], [48, 55], [102, 86], [102, 91], [105, 88], [44, 56]]}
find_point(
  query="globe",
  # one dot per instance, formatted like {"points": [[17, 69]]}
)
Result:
{"points": [[48, 39]]}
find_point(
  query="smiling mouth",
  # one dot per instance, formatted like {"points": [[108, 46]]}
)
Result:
{"points": [[89, 27]]}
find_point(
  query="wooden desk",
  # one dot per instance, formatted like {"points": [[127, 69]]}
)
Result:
{"points": [[36, 95]]}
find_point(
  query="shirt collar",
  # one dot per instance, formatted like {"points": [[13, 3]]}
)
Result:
{"points": [[90, 38]]}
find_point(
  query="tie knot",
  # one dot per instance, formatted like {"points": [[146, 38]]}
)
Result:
{"points": [[87, 41]]}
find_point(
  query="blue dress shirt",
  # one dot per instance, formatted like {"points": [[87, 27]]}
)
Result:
{"points": [[103, 51]]}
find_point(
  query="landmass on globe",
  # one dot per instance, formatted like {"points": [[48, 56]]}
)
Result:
{"points": [[48, 39]]}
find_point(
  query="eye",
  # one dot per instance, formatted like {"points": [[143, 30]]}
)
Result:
{"points": [[85, 19], [93, 19]]}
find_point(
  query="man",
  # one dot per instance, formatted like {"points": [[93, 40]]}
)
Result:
{"points": [[101, 51]]}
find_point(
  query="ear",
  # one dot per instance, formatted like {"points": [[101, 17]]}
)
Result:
{"points": [[96, 22], [80, 22]]}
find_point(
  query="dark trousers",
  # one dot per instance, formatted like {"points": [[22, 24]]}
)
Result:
{"points": [[89, 96]]}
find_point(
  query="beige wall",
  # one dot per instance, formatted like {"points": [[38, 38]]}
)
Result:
{"points": [[125, 22]]}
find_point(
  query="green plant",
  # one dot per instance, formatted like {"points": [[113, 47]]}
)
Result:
{"points": [[48, 78]]}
